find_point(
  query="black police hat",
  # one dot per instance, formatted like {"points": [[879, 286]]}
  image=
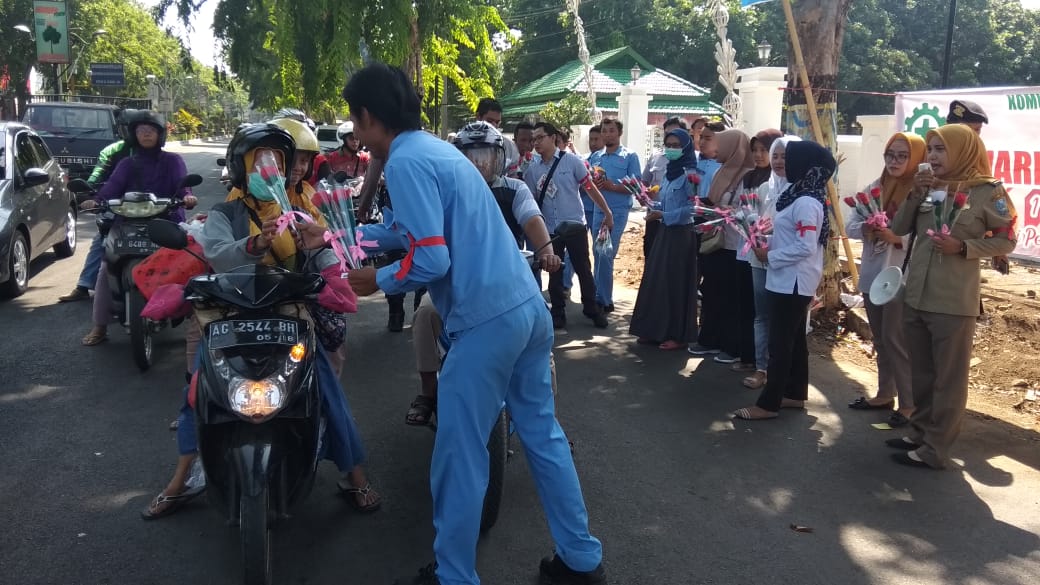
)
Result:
{"points": [[965, 111]]}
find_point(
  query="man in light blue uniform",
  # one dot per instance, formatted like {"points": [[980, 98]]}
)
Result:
{"points": [[617, 162], [501, 334]]}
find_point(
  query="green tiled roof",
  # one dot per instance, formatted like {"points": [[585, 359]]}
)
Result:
{"points": [[611, 71]]}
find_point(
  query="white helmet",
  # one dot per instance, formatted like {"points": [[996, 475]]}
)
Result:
{"points": [[344, 129]]}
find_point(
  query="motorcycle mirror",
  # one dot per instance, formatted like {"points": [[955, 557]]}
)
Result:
{"points": [[190, 181], [79, 186], [221, 162], [167, 234], [569, 229]]}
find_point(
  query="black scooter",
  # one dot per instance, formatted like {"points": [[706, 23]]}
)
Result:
{"points": [[126, 245], [257, 403]]}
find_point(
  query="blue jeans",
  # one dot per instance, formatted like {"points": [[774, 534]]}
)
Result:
{"points": [[96, 253], [758, 277], [603, 269], [505, 359], [341, 443]]}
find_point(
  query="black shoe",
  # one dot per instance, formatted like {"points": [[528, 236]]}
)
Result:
{"points": [[427, 576], [78, 294], [901, 444], [555, 572], [905, 459], [559, 322], [607, 308], [396, 322], [600, 321]]}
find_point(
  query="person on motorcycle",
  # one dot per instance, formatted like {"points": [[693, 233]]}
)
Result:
{"points": [[482, 144], [150, 169], [502, 335], [107, 161], [320, 169], [243, 230], [348, 158]]}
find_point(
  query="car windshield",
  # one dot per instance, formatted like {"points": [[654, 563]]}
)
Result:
{"points": [[327, 135], [70, 121]]}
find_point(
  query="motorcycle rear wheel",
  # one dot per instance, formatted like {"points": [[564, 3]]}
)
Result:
{"points": [[256, 538], [498, 452], [140, 331]]}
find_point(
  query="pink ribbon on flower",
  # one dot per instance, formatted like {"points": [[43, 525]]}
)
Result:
{"points": [[362, 242], [287, 219], [332, 238], [945, 231], [357, 254]]}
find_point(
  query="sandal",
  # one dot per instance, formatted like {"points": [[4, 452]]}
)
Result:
{"points": [[863, 403], [421, 411], [365, 500], [164, 505], [792, 404], [671, 345], [94, 338], [749, 414], [756, 380]]}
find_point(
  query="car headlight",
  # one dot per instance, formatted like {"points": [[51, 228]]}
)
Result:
{"points": [[137, 209], [257, 399]]}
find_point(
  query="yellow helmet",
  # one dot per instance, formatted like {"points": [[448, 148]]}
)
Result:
{"points": [[302, 135]]}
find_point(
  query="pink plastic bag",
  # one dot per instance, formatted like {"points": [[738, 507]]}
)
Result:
{"points": [[337, 295], [167, 302]]}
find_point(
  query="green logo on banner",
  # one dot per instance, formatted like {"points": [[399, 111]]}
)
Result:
{"points": [[923, 119], [52, 31]]}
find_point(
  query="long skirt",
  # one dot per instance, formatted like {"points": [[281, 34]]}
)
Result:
{"points": [[666, 308]]}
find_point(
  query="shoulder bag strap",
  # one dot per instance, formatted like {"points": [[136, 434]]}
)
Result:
{"points": [[548, 176]]}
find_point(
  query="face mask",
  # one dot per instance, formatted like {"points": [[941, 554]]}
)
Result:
{"points": [[673, 153], [258, 188]]}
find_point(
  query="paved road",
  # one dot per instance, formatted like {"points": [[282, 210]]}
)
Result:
{"points": [[678, 493]]}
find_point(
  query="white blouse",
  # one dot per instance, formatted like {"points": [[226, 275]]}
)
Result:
{"points": [[795, 254]]}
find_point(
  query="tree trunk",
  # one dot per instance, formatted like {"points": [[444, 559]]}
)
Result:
{"points": [[821, 29], [414, 65]]}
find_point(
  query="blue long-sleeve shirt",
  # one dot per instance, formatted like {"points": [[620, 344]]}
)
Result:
{"points": [[674, 201], [460, 248]]}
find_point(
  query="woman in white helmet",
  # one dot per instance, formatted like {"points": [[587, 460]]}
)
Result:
{"points": [[349, 157]]}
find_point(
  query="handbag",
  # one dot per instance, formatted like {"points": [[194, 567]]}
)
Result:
{"points": [[168, 266], [711, 241]]}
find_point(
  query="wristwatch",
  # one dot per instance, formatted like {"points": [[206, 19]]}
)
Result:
{"points": [[964, 250]]}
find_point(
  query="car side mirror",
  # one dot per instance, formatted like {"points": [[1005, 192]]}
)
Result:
{"points": [[167, 234], [35, 177], [80, 186], [222, 162]]}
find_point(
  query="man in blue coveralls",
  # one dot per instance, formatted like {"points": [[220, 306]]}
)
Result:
{"points": [[500, 331], [617, 162]]}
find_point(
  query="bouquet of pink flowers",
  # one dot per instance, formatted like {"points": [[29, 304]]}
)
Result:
{"points": [[869, 208], [636, 187], [336, 203], [945, 216]]}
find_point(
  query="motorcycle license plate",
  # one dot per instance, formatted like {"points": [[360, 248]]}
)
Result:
{"points": [[139, 245], [252, 332]]}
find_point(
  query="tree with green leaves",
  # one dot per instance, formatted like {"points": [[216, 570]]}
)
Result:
{"points": [[572, 110]]}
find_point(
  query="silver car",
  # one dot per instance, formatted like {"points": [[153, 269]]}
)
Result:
{"points": [[37, 211]]}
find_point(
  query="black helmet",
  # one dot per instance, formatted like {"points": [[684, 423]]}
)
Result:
{"points": [[484, 146], [144, 117], [250, 137], [296, 114], [123, 119]]}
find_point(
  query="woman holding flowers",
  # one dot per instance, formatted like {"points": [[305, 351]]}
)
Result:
{"points": [[873, 210], [952, 206], [719, 308], [666, 308], [752, 193], [795, 257]]}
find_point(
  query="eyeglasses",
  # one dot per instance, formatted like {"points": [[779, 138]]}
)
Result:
{"points": [[897, 156]]}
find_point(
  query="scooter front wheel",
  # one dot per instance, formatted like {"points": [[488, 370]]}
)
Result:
{"points": [[140, 331], [256, 538], [498, 452]]}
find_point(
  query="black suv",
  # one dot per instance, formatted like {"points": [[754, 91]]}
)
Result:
{"points": [[75, 132]]}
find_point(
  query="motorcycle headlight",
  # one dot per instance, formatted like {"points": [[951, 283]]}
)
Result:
{"points": [[257, 399], [137, 209]]}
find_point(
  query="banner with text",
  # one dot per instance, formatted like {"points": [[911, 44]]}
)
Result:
{"points": [[51, 23], [1010, 137]]}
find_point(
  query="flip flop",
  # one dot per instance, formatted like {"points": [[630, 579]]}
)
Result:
{"points": [[367, 493], [745, 414], [94, 338], [172, 503], [863, 403]]}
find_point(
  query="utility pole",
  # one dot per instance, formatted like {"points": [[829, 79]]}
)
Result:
{"points": [[947, 60]]}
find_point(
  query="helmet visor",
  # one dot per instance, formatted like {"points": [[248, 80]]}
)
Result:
{"points": [[491, 162]]}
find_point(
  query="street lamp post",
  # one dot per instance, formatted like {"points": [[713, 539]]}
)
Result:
{"points": [[72, 69], [764, 52]]}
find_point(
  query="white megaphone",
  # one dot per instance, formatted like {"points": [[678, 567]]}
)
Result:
{"points": [[886, 286]]}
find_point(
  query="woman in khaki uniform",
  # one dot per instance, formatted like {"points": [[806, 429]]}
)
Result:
{"points": [[941, 301]]}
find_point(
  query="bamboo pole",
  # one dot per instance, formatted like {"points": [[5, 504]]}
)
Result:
{"points": [[814, 121]]}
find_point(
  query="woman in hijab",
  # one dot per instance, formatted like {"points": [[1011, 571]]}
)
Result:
{"points": [[776, 186], [719, 288], [951, 208], [795, 257], [881, 249], [666, 308], [756, 183]]}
